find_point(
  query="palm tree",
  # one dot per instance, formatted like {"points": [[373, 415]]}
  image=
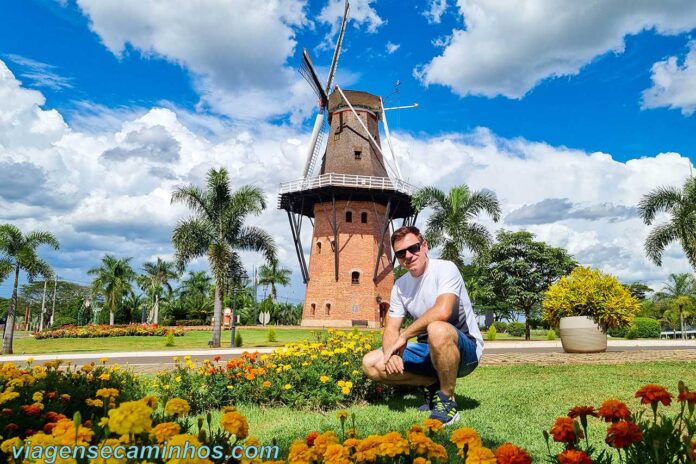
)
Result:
{"points": [[158, 275], [272, 274], [217, 230], [135, 304], [680, 295], [680, 204], [113, 280], [18, 253], [450, 226]]}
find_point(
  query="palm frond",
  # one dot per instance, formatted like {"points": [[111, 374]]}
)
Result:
{"points": [[34, 239], [657, 240], [428, 196], [486, 201], [191, 239], [660, 199], [255, 239], [193, 198]]}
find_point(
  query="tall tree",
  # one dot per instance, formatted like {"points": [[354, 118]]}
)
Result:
{"points": [[679, 294], [638, 290], [217, 230], [522, 269], [18, 251], [158, 275], [69, 298], [451, 225], [273, 274], [134, 304], [113, 279], [680, 205]]}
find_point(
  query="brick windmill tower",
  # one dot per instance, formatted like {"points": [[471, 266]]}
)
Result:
{"points": [[351, 203]]}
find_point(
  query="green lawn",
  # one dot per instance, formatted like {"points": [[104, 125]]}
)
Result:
{"points": [[196, 339], [502, 403]]}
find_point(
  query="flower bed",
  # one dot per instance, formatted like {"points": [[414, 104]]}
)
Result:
{"points": [[321, 374], [96, 331]]}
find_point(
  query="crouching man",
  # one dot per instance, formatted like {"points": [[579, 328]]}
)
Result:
{"points": [[449, 341]]}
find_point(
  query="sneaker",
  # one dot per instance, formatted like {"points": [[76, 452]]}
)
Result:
{"points": [[429, 394], [444, 409]]}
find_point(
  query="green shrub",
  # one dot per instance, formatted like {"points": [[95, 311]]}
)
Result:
{"points": [[500, 326], [618, 332], [189, 322], [647, 327], [169, 341], [492, 333], [238, 339], [516, 329], [632, 333], [272, 337], [551, 334]]}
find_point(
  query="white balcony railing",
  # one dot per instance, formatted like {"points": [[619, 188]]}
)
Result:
{"points": [[347, 180]]}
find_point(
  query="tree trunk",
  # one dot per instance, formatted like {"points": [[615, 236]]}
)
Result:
{"points": [[8, 335], [217, 315], [43, 307], [274, 293], [527, 332], [111, 317], [155, 316]]}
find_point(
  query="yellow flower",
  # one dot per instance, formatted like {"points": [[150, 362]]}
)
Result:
{"points": [[104, 360], [177, 378], [97, 403], [186, 441], [65, 432], [480, 455], [266, 384], [151, 401], [177, 407], [107, 392], [164, 431], [324, 379], [345, 390], [9, 444], [342, 415], [300, 453], [287, 386], [105, 377], [37, 397], [432, 424], [29, 361], [130, 417], [465, 435], [236, 424]]}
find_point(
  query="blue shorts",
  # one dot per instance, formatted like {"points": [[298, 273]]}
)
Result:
{"points": [[417, 357]]}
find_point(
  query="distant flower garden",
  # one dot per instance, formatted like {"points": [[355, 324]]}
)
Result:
{"points": [[97, 331], [322, 374]]}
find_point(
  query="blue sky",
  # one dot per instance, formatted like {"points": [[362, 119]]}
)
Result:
{"points": [[569, 114]]}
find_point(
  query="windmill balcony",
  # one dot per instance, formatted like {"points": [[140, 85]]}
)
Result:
{"points": [[347, 180]]}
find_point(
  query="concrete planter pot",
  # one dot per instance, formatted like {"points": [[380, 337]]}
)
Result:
{"points": [[580, 334]]}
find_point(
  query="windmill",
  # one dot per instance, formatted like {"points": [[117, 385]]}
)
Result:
{"points": [[351, 204]]}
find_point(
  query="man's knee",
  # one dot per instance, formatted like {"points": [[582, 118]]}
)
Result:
{"points": [[370, 364], [441, 334]]}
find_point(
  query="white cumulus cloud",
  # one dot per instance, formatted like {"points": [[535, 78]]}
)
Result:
{"points": [[674, 84]]}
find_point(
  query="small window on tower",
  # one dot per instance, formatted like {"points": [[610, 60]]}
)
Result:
{"points": [[363, 218], [355, 277], [333, 245], [328, 309], [358, 154], [314, 309], [349, 216], [318, 247]]}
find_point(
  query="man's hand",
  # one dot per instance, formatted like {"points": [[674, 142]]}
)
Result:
{"points": [[393, 362]]}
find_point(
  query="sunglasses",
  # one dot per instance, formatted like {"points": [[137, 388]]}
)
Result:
{"points": [[413, 249]]}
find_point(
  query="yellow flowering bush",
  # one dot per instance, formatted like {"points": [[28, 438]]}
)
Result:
{"points": [[317, 374]]}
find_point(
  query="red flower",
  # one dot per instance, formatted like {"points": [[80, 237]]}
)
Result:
{"points": [[687, 396], [574, 457], [622, 434], [311, 436], [11, 427], [508, 453], [52, 416], [31, 409], [579, 411], [6, 411], [614, 411], [216, 358], [652, 393], [48, 428], [564, 430], [28, 433]]}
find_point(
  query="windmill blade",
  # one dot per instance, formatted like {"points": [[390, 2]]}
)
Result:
{"points": [[389, 142], [310, 74], [312, 149], [337, 51]]}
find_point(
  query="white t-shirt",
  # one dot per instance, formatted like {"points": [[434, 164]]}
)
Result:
{"points": [[416, 295]]}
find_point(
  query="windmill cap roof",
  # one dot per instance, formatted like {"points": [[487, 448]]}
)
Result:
{"points": [[357, 98]]}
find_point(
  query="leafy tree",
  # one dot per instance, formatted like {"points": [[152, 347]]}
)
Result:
{"points": [[451, 225], [272, 274], [134, 305], [590, 292], [196, 295], [113, 279], [679, 296], [18, 251], [157, 275], [521, 269], [69, 298], [680, 204], [639, 290], [217, 230]]}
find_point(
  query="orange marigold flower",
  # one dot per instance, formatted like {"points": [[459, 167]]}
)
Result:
{"points": [[622, 434], [216, 358], [693, 449], [432, 424], [31, 409], [613, 411], [564, 430], [654, 393], [249, 376], [579, 411], [508, 453], [480, 455], [465, 436], [574, 457], [687, 396], [311, 436], [336, 454], [421, 460]]}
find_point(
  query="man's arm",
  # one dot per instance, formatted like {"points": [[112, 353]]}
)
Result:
{"points": [[440, 311], [391, 331]]}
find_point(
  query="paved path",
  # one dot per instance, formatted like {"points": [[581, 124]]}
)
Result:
{"points": [[496, 353]]}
